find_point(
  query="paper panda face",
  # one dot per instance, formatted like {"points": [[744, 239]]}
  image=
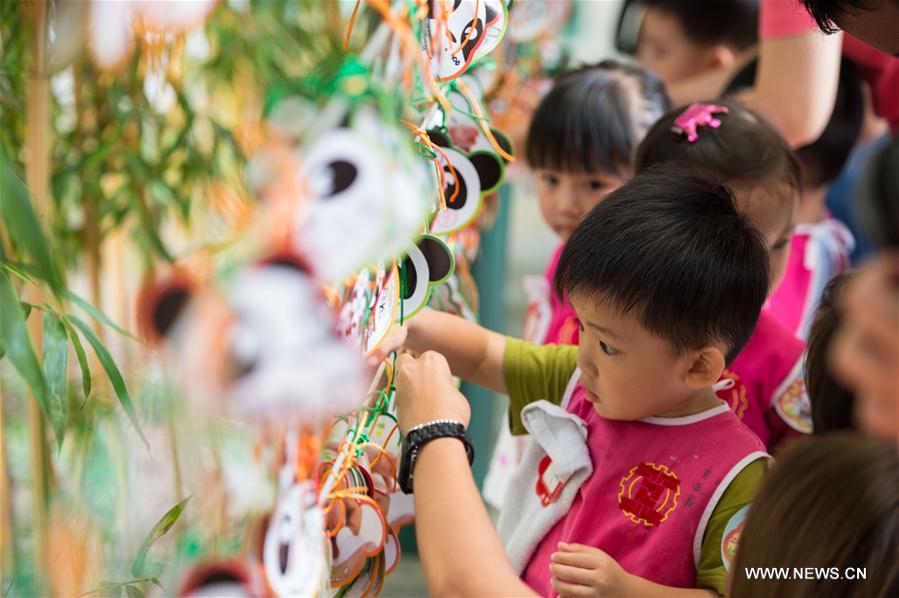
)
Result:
{"points": [[286, 360], [429, 263], [452, 52], [465, 132], [263, 350], [370, 192], [466, 178], [294, 545]]}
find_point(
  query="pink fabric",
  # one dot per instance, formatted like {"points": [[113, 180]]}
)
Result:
{"points": [[768, 392], [785, 18], [654, 485], [562, 327], [818, 252], [881, 71]]}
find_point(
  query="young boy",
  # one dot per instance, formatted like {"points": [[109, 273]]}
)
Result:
{"points": [[636, 468], [682, 38]]}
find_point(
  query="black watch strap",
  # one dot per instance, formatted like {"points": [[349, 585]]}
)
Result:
{"points": [[419, 436]]}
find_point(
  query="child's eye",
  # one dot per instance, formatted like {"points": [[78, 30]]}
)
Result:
{"points": [[607, 349], [550, 180], [595, 185]]}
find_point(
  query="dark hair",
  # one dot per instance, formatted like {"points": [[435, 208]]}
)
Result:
{"points": [[824, 11], [709, 22], [744, 150], [832, 403], [831, 502], [822, 161], [594, 117], [877, 203], [672, 247]]}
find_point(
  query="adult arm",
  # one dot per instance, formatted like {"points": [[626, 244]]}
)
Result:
{"points": [[460, 551]]}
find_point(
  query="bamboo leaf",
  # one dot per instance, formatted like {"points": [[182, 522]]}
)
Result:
{"points": [[82, 358], [16, 271], [162, 526], [55, 354], [111, 371], [95, 313], [23, 225], [17, 343], [134, 592]]}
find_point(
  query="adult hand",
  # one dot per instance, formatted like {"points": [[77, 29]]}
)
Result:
{"points": [[425, 392], [392, 343], [865, 352]]}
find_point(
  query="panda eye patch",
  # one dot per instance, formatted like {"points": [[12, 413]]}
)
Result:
{"points": [[342, 176]]}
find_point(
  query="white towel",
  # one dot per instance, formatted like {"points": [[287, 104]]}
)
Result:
{"points": [[524, 520]]}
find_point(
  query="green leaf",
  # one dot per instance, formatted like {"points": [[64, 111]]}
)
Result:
{"points": [[95, 313], [23, 225], [16, 271], [111, 371], [17, 342], [134, 592], [55, 354], [82, 358], [157, 583], [162, 526]]}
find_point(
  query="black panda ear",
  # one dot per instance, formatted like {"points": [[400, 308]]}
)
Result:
{"points": [[439, 138], [504, 142], [490, 170], [288, 260], [439, 258], [161, 304]]}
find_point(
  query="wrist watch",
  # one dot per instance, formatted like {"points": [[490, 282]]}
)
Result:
{"points": [[419, 436]]}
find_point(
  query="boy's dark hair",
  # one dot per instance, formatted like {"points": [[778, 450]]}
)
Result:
{"points": [[672, 248], [824, 11], [708, 22], [744, 150], [594, 117], [832, 403], [830, 502], [822, 161]]}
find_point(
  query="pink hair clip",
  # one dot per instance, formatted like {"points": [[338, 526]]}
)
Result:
{"points": [[695, 116]]}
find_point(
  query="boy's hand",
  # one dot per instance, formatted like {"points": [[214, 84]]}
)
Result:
{"points": [[425, 392], [580, 571], [392, 343]]}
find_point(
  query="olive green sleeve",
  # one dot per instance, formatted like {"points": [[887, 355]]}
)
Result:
{"points": [[711, 573], [535, 372]]}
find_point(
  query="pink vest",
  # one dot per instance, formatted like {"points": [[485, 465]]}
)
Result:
{"points": [[768, 391], [818, 252], [654, 485], [549, 319]]}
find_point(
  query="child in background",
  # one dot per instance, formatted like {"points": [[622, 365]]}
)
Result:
{"points": [[635, 466], [832, 403], [682, 38], [580, 146], [831, 505], [821, 245], [746, 154]]}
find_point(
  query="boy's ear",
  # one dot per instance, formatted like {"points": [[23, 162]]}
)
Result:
{"points": [[705, 367], [721, 55]]}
